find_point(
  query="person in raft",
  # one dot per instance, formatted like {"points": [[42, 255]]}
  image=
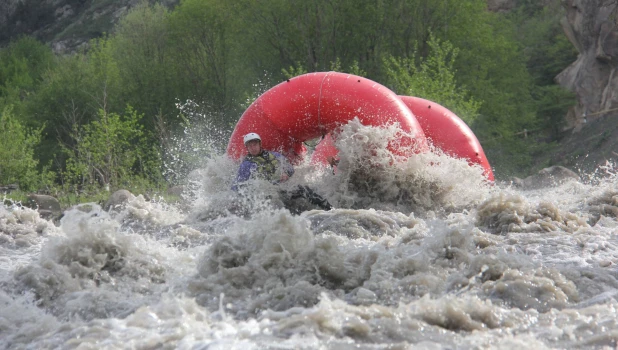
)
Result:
{"points": [[273, 167]]}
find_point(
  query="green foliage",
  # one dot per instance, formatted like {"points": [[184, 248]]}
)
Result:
{"points": [[336, 66], [513, 160], [493, 70], [311, 34], [547, 49], [15, 197], [22, 65], [68, 199], [165, 57], [148, 69], [199, 33], [17, 162], [72, 93], [548, 52], [294, 71], [109, 151], [492, 66], [552, 103], [354, 68], [433, 79]]}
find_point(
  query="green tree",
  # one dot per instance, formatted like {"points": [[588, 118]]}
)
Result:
{"points": [[199, 31], [71, 94], [491, 65], [17, 162], [22, 65], [147, 65], [109, 151], [433, 79], [548, 52], [552, 103], [494, 70]]}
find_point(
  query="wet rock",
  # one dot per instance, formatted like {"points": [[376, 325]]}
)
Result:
{"points": [[365, 296], [515, 181], [559, 174], [117, 199], [552, 176], [9, 188], [175, 190], [85, 207], [47, 206], [46, 214]]}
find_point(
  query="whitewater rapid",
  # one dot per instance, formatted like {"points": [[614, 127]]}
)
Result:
{"points": [[421, 254]]}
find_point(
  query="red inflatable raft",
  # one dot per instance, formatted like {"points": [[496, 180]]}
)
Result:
{"points": [[448, 132], [312, 105]]}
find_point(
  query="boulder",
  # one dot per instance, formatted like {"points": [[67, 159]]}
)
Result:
{"points": [[117, 199], [591, 28], [47, 206], [552, 176], [9, 188], [513, 181], [175, 190]]}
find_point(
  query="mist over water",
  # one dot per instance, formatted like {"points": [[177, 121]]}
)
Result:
{"points": [[418, 253]]}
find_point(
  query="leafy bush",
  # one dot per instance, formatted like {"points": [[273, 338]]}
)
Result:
{"points": [[17, 163], [109, 151], [22, 66], [433, 79], [493, 70]]}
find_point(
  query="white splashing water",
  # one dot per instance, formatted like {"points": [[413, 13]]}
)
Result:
{"points": [[420, 253]]}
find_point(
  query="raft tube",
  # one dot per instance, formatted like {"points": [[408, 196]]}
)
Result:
{"points": [[448, 132], [314, 104]]}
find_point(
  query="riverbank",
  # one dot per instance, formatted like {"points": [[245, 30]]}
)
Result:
{"points": [[584, 151]]}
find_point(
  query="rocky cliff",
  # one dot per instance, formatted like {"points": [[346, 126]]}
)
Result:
{"points": [[65, 24], [591, 26]]}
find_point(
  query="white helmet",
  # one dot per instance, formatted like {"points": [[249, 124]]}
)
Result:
{"points": [[250, 137]]}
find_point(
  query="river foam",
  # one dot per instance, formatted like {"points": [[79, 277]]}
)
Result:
{"points": [[417, 253]]}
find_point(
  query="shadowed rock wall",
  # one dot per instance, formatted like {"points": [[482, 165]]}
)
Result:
{"points": [[65, 24], [591, 26]]}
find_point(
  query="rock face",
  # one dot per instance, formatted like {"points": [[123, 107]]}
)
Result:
{"points": [[547, 177], [591, 26], [175, 190], [47, 206], [66, 24], [9, 188], [117, 199]]}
